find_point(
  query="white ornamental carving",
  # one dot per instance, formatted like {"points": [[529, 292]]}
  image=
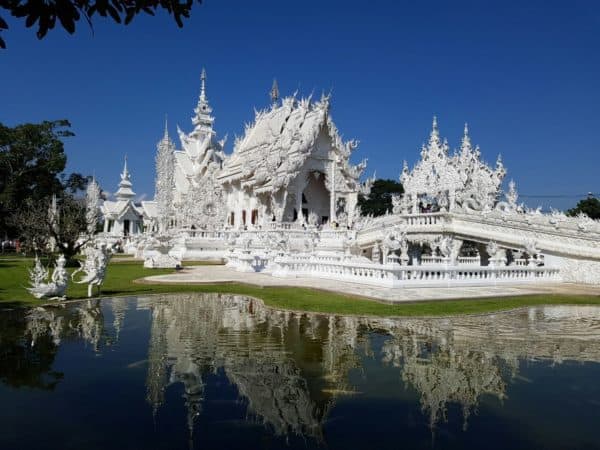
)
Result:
{"points": [[55, 288], [93, 267]]}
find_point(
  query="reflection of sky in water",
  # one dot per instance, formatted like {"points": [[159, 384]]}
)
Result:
{"points": [[222, 371]]}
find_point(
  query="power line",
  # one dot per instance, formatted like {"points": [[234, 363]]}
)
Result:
{"points": [[556, 195]]}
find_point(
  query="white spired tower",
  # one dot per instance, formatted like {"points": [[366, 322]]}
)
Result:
{"points": [[187, 191]]}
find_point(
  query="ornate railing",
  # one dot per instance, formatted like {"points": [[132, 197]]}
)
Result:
{"points": [[469, 260], [398, 276]]}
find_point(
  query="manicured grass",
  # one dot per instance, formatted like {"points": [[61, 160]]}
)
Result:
{"points": [[120, 277]]}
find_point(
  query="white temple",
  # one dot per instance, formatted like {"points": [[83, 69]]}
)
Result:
{"points": [[283, 169], [123, 217], [285, 202]]}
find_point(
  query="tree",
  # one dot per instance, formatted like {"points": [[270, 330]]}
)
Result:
{"points": [[69, 12], [32, 161], [67, 226], [379, 201], [589, 206]]}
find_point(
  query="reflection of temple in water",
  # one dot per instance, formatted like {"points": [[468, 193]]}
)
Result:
{"points": [[268, 355], [84, 321], [290, 367]]}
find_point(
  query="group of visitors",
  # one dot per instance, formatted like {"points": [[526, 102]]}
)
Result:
{"points": [[9, 245], [427, 208]]}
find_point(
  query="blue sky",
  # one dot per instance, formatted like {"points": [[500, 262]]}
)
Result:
{"points": [[524, 75]]}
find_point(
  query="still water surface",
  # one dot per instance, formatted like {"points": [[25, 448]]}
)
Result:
{"points": [[222, 371]]}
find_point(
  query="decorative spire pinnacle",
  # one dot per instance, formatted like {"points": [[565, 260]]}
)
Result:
{"points": [[434, 137], [466, 140], [203, 121], [166, 135], [125, 173], [125, 192], [274, 93], [203, 85]]}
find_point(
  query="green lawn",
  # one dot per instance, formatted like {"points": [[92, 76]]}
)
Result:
{"points": [[120, 276]]}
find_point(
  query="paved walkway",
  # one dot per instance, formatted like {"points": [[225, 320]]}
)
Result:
{"points": [[222, 274]]}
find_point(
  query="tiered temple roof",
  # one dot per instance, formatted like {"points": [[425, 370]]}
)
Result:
{"points": [[274, 148]]}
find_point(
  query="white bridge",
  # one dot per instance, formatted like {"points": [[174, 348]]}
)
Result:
{"points": [[428, 249]]}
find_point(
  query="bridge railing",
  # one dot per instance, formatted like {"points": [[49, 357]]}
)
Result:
{"points": [[398, 276], [469, 260]]}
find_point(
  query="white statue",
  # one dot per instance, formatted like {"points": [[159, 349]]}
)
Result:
{"points": [[94, 267], [532, 251], [492, 248], [56, 288], [313, 219], [392, 242]]}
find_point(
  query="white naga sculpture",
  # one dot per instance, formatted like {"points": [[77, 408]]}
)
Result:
{"points": [[94, 267], [54, 289]]}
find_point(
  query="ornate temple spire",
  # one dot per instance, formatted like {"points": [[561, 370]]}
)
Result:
{"points": [[466, 140], [92, 205], [164, 181], [166, 135], [125, 192], [436, 147], [203, 121], [203, 86], [274, 92]]}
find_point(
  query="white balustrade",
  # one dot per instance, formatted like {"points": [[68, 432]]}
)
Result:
{"points": [[427, 260], [405, 276], [469, 260]]}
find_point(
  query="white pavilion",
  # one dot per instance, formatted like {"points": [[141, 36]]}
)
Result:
{"points": [[123, 217]]}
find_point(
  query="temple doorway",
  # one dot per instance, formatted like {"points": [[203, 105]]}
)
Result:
{"points": [[315, 197]]}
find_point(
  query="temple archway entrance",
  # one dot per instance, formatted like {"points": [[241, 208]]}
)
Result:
{"points": [[315, 197]]}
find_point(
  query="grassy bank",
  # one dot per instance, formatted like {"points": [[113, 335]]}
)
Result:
{"points": [[120, 281]]}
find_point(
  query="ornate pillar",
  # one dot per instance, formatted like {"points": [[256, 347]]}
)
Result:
{"points": [[332, 215], [299, 190]]}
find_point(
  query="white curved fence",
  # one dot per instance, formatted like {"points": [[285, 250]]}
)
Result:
{"points": [[388, 275]]}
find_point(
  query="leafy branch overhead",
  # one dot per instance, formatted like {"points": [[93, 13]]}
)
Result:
{"points": [[45, 13]]}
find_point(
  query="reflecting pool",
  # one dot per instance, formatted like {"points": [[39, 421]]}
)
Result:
{"points": [[224, 372]]}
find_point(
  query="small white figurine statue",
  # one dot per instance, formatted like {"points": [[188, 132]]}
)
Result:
{"points": [[56, 288], [94, 267]]}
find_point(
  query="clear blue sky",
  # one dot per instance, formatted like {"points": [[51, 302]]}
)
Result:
{"points": [[523, 74]]}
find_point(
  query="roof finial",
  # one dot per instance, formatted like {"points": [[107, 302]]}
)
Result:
{"points": [[274, 93], [466, 129], [434, 125], [203, 85], [125, 173], [166, 136]]}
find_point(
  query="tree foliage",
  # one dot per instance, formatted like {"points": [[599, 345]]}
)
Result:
{"points": [[589, 206], [379, 201], [69, 12], [68, 230], [32, 164]]}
